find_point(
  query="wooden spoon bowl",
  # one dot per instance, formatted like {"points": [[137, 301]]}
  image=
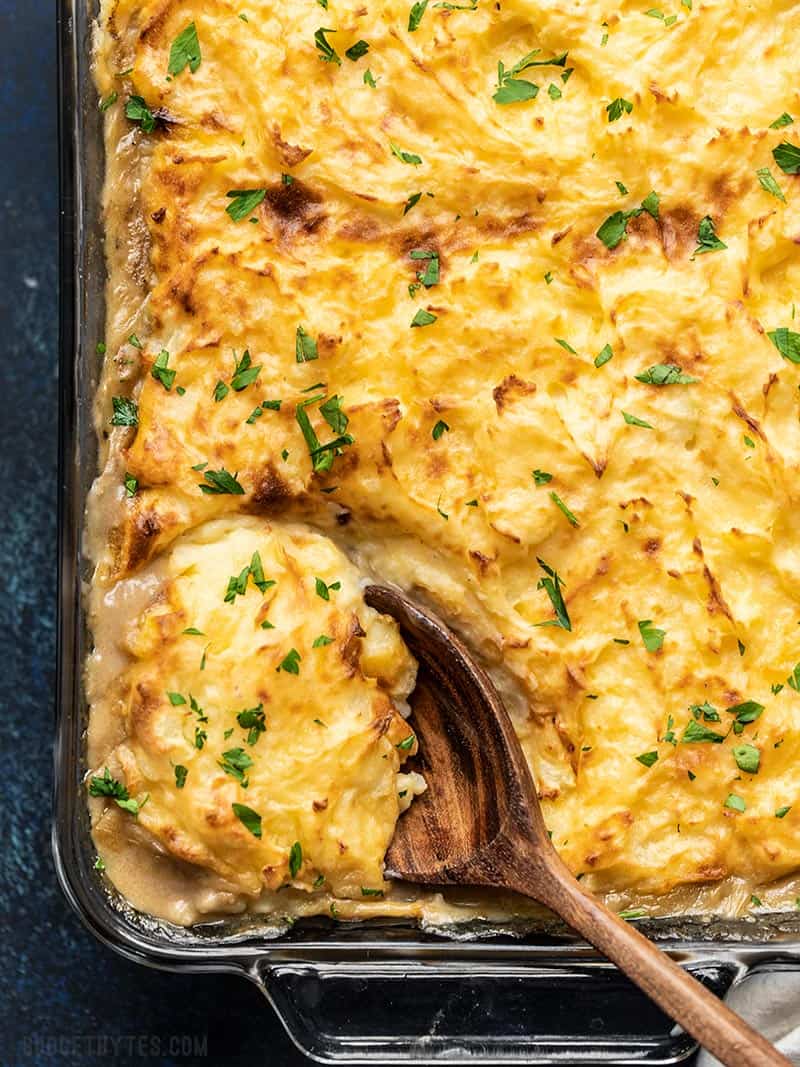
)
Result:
{"points": [[480, 824]]}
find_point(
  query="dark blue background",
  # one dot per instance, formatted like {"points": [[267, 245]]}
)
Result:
{"points": [[56, 982]]}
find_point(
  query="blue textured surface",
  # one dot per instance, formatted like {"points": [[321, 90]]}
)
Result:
{"points": [[64, 998]]}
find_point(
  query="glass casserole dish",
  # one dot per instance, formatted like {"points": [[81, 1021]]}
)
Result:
{"points": [[372, 992]]}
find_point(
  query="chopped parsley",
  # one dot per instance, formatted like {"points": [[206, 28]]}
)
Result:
{"points": [[735, 803], [131, 484], [787, 342], [220, 482], [562, 507], [327, 53], [617, 108], [322, 641], [603, 356], [423, 318], [243, 202], [357, 51], [430, 276], [126, 411], [295, 859], [440, 428], [160, 370], [323, 590], [137, 111], [407, 743], [652, 637], [290, 662], [552, 585], [235, 762], [787, 156], [541, 477], [253, 720], [220, 391], [782, 120], [415, 15], [185, 51], [748, 758], [250, 819], [768, 183], [695, 731], [109, 100], [244, 373], [411, 158], [180, 775], [782, 812], [707, 240], [664, 374], [108, 786], [745, 713], [322, 455], [305, 347], [633, 420], [514, 90], [647, 759], [369, 79]]}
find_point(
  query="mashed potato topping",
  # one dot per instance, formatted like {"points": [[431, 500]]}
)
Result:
{"points": [[499, 297]]}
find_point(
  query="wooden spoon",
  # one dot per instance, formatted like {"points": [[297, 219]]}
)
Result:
{"points": [[479, 824]]}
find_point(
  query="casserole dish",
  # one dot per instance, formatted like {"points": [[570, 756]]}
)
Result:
{"points": [[375, 992]]}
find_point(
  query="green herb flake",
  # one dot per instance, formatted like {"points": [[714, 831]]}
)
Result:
{"points": [[176, 699], [787, 157], [185, 51], [565, 345], [415, 15], [603, 356], [131, 484], [782, 120], [651, 204], [647, 759], [769, 184], [369, 79], [407, 743], [236, 762], [305, 347], [108, 786], [357, 51], [787, 342], [137, 111], [664, 374], [410, 158], [632, 420], [695, 732], [652, 637], [244, 373], [322, 641], [541, 477], [250, 819], [180, 775], [254, 721], [552, 585], [109, 100], [219, 483], [423, 318], [562, 507], [748, 758], [617, 108], [243, 202], [327, 53], [440, 428], [295, 859], [161, 372], [735, 803], [781, 813], [290, 662], [126, 411], [707, 240]]}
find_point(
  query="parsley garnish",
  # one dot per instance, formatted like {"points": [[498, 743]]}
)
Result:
{"points": [[430, 276], [305, 347], [160, 371], [107, 102], [651, 203], [415, 15], [787, 156], [290, 662], [407, 743], [322, 455], [326, 51], [137, 111], [220, 391], [405, 157], [647, 759], [782, 812], [632, 420], [603, 356], [126, 411], [423, 318], [734, 802], [250, 819], [440, 428], [244, 373], [664, 374], [695, 731], [220, 482], [768, 183], [108, 786], [295, 859], [243, 202], [185, 51], [787, 342], [369, 79], [652, 637], [562, 507], [514, 90], [541, 477], [131, 484], [745, 713], [322, 641], [782, 120], [180, 775], [707, 240], [235, 762], [748, 758], [552, 585], [357, 50], [617, 108], [323, 590]]}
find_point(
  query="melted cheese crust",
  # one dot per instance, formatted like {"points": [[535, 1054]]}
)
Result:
{"points": [[688, 522]]}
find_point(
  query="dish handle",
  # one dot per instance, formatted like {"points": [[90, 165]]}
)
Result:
{"points": [[545, 1012]]}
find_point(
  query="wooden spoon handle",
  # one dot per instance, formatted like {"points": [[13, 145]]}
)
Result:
{"points": [[680, 996]]}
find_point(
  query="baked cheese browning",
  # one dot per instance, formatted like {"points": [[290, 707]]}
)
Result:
{"points": [[263, 739], [542, 316]]}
